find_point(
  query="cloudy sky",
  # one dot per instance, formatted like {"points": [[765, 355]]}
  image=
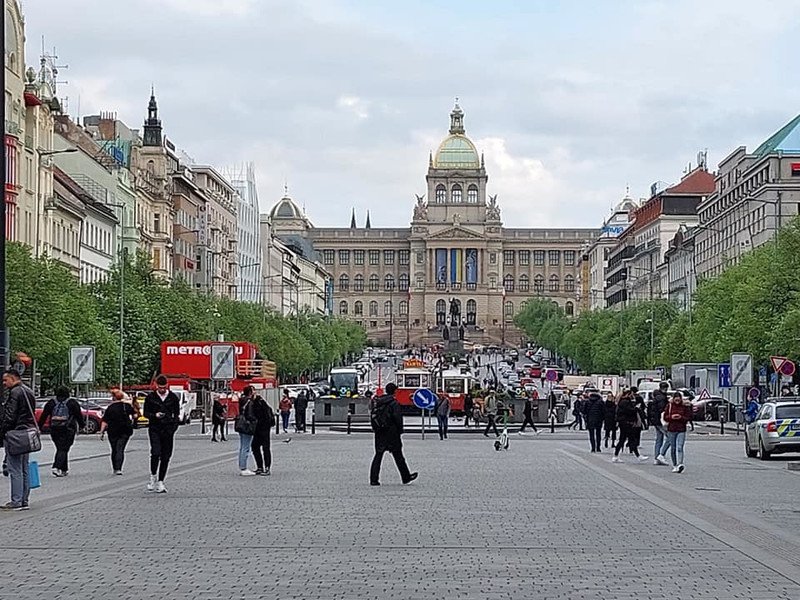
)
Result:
{"points": [[570, 101]]}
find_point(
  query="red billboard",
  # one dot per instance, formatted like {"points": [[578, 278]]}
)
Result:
{"points": [[192, 360]]}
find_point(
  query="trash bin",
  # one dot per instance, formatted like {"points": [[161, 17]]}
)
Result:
{"points": [[561, 412]]}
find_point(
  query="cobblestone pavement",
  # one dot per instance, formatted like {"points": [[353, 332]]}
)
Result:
{"points": [[544, 520]]}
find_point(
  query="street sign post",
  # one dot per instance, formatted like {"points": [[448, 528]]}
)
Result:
{"points": [[424, 399], [81, 364], [754, 393], [704, 395], [223, 362], [724, 375], [741, 370]]}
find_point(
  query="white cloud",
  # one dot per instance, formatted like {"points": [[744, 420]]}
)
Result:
{"points": [[354, 105]]}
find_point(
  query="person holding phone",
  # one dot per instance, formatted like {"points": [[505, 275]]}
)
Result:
{"points": [[162, 410], [118, 421]]}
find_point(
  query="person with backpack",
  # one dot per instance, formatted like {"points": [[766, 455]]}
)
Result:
{"points": [[285, 408], [443, 416], [655, 408], [387, 423], [626, 417], [218, 418], [265, 421], [245, 426], [594, 412], [118, 421], [577, 413], [162, 410], [66, 419], [490, 408]]}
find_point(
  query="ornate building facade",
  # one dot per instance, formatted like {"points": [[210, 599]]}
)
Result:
{"points": [[398, 282]]}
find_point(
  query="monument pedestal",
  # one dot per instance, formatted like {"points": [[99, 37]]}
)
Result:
{"points": [[454, 344]]}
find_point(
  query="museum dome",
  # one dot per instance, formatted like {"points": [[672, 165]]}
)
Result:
{"points": [[456, 151], [286, 209]]}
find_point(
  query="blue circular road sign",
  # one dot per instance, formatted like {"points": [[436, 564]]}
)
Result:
{"points": [[552, 375], [424, 398], [754, 393]]}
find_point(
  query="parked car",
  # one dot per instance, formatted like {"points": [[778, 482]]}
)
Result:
{"points": [[708, 410], [775, 430], [92, 412]]}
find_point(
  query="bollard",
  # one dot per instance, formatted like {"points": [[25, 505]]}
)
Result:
{"points": [[721, 423], [313, 424], [203, 423], [349, 419], [277, 425]]}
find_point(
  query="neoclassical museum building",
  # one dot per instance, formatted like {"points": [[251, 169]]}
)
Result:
{"points": [[398, 282]]}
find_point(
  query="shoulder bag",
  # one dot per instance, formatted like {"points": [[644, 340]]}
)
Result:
{"points": [[242, 424], [24, 439]]}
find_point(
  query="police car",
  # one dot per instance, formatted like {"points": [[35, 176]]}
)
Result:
{"points": [[775, 430]]}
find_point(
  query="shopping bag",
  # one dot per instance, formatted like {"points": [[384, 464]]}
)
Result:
{"points": [[33, 474]]}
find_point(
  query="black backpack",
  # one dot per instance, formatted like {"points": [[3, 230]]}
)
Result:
{"points": [[379, 416], [60, 418]]}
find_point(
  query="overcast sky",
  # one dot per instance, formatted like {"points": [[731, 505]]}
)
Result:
{"points": [[570, 101]]}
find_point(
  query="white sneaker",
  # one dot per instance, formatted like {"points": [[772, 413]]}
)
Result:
{"points": [[160, 489], [246, 473], [676, 469], [681, 468], [118, 472], [642, 458], [151, 487], [616, 459], [520, 433], [660, 460], [56, 473]]}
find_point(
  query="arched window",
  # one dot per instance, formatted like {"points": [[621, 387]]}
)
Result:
{"points": [[441, 194], [441, 315], [569, 283], [374, 283], [151, 167], [524, 283], [508, 308], [358, 283], [455, 193], [472, 308], [343, 307], [508, 283], [554, 283], [387, 308], [403, 308], [402, 282], [538, 283], [373, 309], [569, 308], [344, 282], [358, 308], [388, 282], [472, 194]]}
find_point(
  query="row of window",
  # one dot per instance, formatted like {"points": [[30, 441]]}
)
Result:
{"points": [[403, 256], [374, 283], [524, 257], [523, 285], [456, 193], [358, 308]]}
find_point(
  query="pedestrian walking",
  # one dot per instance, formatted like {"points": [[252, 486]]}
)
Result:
{"points": [[639, 423], [300, 406], [626, 418], [468, 406], [219, 413], [18, 413], [527, 414], [245, 426], [490, 408], [577, 413], [610, 420], [118, 420], [66, 419], [285, 408], [443, 416], [655, 410], [387, 423], [265, 421], [677, 415], [594, 411], [162, 410]]}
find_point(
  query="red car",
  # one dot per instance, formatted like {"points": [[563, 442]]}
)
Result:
{"points": [[92, 413]]}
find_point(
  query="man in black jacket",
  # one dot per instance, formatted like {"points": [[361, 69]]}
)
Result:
{"points": [[387, 423], [300, 406], [655, 408], [594, 413], [162, 410], [527, 413], [18, 411], [66, 419]]}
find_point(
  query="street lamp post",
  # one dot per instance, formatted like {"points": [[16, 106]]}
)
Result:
{"points": [[391, 314]]}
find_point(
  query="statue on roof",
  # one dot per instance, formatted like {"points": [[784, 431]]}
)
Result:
{"points": [[420, 208], [493, 209]]}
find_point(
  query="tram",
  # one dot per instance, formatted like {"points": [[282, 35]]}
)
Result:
{"points": [[455, 384], [412, 376]]}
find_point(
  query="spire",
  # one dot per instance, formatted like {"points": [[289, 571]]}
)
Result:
{"points": [[152, 125], [483, 164], [353, 219], [368, 225], [430, 159], [457, 120]]}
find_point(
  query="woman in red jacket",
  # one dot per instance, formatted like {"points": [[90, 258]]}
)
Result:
{"points": [[676, 416]]}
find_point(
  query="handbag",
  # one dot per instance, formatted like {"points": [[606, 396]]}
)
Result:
{"points": [[25, 439], [242, 424]]}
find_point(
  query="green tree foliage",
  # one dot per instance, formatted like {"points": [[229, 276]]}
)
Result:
{"points": [[49, 311]]}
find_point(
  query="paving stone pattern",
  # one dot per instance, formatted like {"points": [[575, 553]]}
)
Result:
{"points": [[533, 522]]}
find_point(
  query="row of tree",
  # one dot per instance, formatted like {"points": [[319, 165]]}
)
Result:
{"points": [[49, 311], [752, 307]]}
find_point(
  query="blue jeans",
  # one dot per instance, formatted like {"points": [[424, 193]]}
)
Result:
{"points": [[676, 439], [244, 449], [662, 441], [18, 472]]}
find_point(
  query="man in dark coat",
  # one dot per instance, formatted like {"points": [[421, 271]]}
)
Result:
{"points": [[594, 413], [527, 413], [162, 410], [387, 423], [300, 406], [18, 411]]}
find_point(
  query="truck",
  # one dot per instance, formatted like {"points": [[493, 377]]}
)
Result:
{"points": [[688, 375], [639, 376], [607, 383]]}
